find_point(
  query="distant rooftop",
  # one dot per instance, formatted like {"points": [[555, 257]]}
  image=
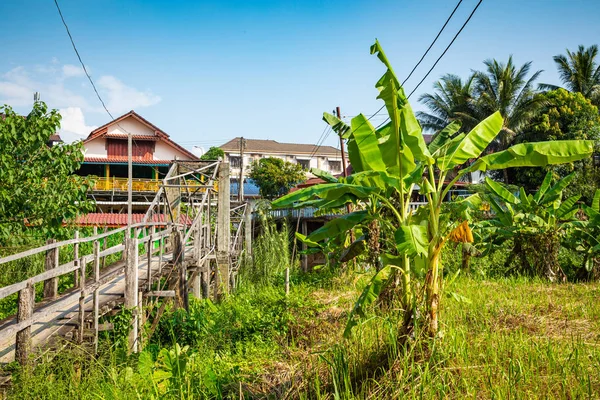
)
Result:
{"points": [[272, 146]]}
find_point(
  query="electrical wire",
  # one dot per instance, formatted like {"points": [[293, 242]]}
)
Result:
{"points": [[439, 58]]}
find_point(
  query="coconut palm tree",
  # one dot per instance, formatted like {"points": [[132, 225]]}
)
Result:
{"points": [[452, 99], [579, 71], [506, 88]]}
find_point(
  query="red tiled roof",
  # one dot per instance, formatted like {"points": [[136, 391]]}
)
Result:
{"points": [[118, 220], [121, 160]]}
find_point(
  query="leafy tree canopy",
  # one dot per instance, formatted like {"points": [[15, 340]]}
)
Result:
{"points": [[214, 153], [38, 189], [275, 177], [566, 116]]}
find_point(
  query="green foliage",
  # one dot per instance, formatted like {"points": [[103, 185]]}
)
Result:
{"points": [[566, 116], [214, 153], [38, 188], [275, 177], [536, 225]]}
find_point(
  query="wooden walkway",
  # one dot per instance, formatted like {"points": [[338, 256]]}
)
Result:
{"points": [[197, 256]]}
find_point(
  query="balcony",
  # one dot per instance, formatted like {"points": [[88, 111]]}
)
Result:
{"points": [[138, 185]]}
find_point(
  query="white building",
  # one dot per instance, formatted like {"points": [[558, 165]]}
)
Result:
{"points": [[309, 156]]}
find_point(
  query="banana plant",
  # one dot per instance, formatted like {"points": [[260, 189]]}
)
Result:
{"points": [[586, 240], [536, 223], [392, 161]]}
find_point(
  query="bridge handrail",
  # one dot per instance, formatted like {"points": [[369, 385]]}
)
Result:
{"points": [[73, 265], [86, 239]]}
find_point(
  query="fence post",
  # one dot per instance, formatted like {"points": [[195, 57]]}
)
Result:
{"points": [[178, 264], [82, 265], [24, 312], [76, 259], [248, 230], [97, 289], [150, 250], [131, 289], [223, 232], [51, 262]]}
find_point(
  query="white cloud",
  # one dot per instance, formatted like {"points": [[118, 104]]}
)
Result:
{"points": [[70, 71], [121, 98], [72, 125]]}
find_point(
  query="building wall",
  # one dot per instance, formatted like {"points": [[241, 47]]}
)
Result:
{"points": [[163, 151], [96, 148], [320, 162], [130, 125]]}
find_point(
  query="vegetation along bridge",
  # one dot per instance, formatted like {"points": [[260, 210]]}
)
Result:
{"points": [[190, 240]]}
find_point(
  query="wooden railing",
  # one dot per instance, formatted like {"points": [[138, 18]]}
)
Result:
{"points": [[138, 185]]}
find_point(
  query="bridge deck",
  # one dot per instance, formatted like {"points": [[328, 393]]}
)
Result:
{"points": [[57, 317]]}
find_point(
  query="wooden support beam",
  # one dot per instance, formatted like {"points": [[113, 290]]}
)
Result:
{"points": [[76, 258], [81, 318], [25, 311], [248, 230], [131, 289], [223, 232], [160, 293], [181, 291], [96, 290], [51, 262]]}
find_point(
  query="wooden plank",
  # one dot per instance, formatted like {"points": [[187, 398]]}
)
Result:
{"points": [[81, 318], [223, 232], [131, 289], [160, 293], [96, 298], [76, 257], [106, 327], [24, 314]]}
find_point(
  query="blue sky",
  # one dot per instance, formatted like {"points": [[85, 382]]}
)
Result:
{"points": [[206, 72]]}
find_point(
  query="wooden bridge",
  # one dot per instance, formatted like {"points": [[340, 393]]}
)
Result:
{"points": [[190, 241]]}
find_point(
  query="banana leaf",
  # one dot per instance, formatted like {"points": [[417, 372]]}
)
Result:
{"points": [[501, 191], [537, 154], [325, 190], [474, 143], [339, 225], [412, 240], [443, 136]]}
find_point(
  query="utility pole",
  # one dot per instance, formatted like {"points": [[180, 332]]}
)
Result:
{"points": [[339, 115], [241, 181], [344, 168], [129, 181]]}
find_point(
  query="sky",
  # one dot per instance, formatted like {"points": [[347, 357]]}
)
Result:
{"points": [[208, 71]]}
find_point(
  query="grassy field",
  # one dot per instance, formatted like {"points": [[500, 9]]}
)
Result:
{"points": [[503, 338]]}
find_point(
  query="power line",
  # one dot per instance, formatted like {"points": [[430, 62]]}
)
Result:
{"points": [[79, 57], [432, 43], [440, 57], [447, 47]]}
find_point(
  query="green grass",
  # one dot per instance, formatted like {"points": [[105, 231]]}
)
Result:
{"points": [[505, 338]]}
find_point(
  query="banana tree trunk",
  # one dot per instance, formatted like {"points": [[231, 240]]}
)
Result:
{"points": [[432, 288]]}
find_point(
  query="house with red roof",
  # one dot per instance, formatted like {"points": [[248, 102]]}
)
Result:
{"points": [[106, 159]]}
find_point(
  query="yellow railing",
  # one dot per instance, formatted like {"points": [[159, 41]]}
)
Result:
{"points": [[138, 185]]}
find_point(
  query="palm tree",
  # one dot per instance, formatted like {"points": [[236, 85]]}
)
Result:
{"points": [[506, 88], [579, 72], [451, 100]]}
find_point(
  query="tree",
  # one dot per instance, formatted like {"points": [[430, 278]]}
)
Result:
{"points": [[565, 116], [275, 177], [451, 100], [214, 153], [506, 88], [580, 72], [38, 188]]}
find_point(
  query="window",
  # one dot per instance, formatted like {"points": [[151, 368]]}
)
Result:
{"points": [[235, 162], [305, 164], [335, 166], [141, 149]]}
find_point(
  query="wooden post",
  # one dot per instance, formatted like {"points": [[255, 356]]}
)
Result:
{"points": [[51, 262], [131, 289], [207, 236], [24, 312], [150, 249], [178, 255], [287, 281], [198, 247], [97, 289], [248, 230], [104, 244], [223, 231], [304, 256], [76, 258], [81, 318]]}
